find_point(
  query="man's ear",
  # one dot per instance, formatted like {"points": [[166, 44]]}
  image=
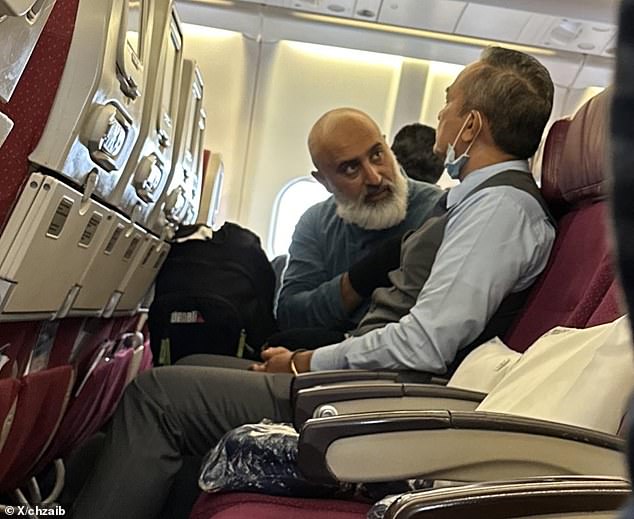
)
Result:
{"points": [[321, 178], [473, 127]]}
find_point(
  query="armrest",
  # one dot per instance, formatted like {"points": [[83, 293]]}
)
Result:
{"points": [[375, 396], [320, 378], [532, 497], [456, 446], [340, 376]]}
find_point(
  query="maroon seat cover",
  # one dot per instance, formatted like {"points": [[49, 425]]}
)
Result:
{"points": [[42, 401], [252, 506]]}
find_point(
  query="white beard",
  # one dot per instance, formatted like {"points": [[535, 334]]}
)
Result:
{"points": [[383, 214]]}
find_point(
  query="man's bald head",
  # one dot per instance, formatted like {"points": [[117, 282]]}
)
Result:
{"points": [[356, 165], [328, 134]]}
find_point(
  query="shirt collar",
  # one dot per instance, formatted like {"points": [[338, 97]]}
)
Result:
{"points": [[476, 177]]}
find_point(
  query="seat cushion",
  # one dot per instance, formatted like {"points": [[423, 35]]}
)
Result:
{"points": [[258, 506]]}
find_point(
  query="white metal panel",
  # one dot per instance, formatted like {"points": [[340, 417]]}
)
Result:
{"points": [[595, 72], [147, 170], [179, 201], [433, 15], [6, 125], [15, 7], [54, 237], [114, 258], [367, 9], [142, 273], [20, 33], [596, 10], [492, 23], [562, 70], [95, 118], [331, 7], [577, 36]]}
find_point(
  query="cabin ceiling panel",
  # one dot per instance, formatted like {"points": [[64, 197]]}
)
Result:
{"points": [[309, 31], [367, 9], [593, 73], [332, 7], [604, 11], [492, 23], [433, 15], [563, 71]]}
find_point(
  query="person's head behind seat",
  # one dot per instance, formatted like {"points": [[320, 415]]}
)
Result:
{"points": [[413, 147], [355, 164], [515, 93]]}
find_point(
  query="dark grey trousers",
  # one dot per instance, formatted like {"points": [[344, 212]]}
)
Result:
{"points": [[168, 413]]}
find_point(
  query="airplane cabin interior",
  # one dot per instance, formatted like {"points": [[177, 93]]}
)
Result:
{"points": [[123, 120]]}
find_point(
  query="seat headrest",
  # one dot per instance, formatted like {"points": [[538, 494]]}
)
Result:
{"points": [[574, 162]]}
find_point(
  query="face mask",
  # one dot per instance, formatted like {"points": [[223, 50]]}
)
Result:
{"points": [[452, 164]]}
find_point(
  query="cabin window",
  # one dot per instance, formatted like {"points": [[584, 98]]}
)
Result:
{"points": [[291, 202]]}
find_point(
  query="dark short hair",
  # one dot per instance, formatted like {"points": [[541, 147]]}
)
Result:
{"points": [[514, 92], [413, 146]]}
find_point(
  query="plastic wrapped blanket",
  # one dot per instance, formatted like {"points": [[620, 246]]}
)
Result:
{"points": [[260, 458]]}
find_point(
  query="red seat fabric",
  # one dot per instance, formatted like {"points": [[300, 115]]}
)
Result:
{"points": [[41, 403], [578, 276], [611, 305], [77, 423], [20, 338], [114, 389], [241, 505], [32, 101], [9, 388]]}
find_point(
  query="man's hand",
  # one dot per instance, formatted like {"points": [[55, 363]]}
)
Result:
{"points": [[372, 270], [277, 359]]}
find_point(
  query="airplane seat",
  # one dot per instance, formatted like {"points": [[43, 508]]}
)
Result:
{"points": [[9, 388], [42, 400], [16, 343], [234, 505], [609, 306], [573, 290], [580, 271]]}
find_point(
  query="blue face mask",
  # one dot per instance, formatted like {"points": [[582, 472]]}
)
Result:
{"points": [[454, 164]]}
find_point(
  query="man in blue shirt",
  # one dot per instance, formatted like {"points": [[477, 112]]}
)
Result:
{"points": [[372, 202], [461, 276]]}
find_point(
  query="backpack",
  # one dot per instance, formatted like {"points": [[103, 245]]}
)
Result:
{"points": [[212, 296]]}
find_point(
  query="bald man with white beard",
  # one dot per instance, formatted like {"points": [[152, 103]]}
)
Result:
{"points": [[372, 206]]}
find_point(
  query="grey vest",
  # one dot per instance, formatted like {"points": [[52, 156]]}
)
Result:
{"points": [[418, 253]]}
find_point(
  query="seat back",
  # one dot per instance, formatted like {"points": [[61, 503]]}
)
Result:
{"points": [[178, 204], [42, 400], [580, 272]]}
